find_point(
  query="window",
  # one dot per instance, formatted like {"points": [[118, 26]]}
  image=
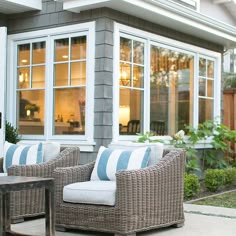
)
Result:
{"points": [[51, 75], [163, 84]]}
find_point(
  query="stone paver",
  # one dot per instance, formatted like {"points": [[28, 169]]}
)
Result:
{"points": [[200, 221]]}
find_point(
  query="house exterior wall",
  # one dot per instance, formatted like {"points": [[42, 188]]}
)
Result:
{"points": [[217, 11], [52, 15]]}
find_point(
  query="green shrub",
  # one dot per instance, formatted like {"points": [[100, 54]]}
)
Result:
{"points": [[191, 185], [230, 175], [214, 179], [12, 135]]}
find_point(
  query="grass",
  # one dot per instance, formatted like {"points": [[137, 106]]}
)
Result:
{"points": [[227, 200]]}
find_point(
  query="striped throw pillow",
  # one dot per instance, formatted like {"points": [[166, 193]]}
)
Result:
{"points": [[109, 161], [15, 154]]}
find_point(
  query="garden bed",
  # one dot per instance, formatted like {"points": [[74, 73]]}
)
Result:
{"points": [[223, 199]]}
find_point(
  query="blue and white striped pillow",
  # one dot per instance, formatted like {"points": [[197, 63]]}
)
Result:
{"points": [[109, 161], [21, 155]]}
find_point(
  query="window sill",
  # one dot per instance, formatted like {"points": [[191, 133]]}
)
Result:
{"points": [[85, 146]]}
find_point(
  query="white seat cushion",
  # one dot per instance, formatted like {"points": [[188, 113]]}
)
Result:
{"points": [[91, 192], [156, 149], [109, 161], [3, 174]]}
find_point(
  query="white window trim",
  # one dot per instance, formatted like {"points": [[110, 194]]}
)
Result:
{"points": [[120, 29], [3, 37], [86, 142]]}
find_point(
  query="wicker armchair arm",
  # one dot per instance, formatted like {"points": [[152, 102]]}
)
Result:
{"points": [[153, 188], [69, 175], [68, 157]]}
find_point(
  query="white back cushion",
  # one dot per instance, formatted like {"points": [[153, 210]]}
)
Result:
{"points": [[51, 150], [156, 149]]}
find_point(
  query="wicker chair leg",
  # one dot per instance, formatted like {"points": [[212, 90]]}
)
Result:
{"points": [[179, 225], [60, 228], [16, 221]]}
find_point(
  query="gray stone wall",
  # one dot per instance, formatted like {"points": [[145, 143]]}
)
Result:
{"points": [[52, 15]]}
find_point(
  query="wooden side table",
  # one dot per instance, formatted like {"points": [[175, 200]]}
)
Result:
{"points": [[17, 183]]}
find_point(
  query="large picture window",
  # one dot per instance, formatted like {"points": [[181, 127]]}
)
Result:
{"points": [[164, 85], [51, 77]]}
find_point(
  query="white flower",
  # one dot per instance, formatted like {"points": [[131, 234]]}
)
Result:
{"points": [[179, 135]]}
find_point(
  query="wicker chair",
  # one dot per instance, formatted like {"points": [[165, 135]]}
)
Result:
{"points": [[31, 202], [146, 199]]}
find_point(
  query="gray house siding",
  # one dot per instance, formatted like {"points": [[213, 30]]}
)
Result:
{"points": [[52, 15]]}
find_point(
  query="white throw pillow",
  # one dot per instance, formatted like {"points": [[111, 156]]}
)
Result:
{"points": [[51, 150], [109, 161], [156, 149], [14, 154]]}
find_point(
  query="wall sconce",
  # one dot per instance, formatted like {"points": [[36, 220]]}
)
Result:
{"points": [[23, 77]]}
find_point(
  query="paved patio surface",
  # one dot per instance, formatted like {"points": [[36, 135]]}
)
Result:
{"points": [[200, 221]]}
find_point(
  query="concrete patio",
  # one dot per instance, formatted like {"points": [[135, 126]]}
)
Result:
{"points": [[200, 221]]}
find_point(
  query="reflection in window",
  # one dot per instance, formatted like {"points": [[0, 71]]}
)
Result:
{"points": [[69, 86], [206, 85], [131, 86], [171, 90], [31, 88]]}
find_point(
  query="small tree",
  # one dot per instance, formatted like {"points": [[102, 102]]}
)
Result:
{"points": [[11, 134]]}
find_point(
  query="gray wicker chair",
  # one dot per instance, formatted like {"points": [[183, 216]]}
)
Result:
{"points": [[146, 199], [31, 202]]}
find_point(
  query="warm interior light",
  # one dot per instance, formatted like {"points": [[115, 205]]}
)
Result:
{"points": [[24, 61], [124, 114], [65, 56], [21, 77]]}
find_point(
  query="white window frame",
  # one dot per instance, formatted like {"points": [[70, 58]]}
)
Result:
{"points": [[153, 39], [3, 40], [86, 142]]}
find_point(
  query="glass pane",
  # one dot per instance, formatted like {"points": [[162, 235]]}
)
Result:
{"points": [[171, 90], [210, 88], [61, 50], [30, 113], [78, 48], [205, 109], [38, 77], [69, 111], [210, 69], [130, 111], [38, 53], [125, 49], [202, 87], [23, 78], [138, 77], [78, 73], [138, 56], [23, 54], [125, 74], [61, 75], [202, 67]]}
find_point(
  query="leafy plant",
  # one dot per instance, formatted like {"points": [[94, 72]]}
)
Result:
{"points": [[11, 134], [230, 176], [191, 185], [210, 132], [214, 179], [148, 137]]}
